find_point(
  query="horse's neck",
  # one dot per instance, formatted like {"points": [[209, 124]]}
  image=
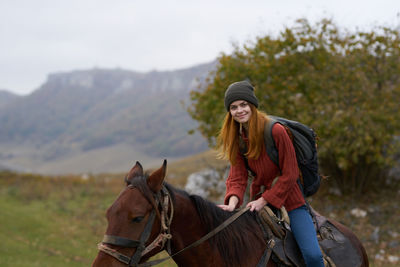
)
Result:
{"points": [[186, 228]]}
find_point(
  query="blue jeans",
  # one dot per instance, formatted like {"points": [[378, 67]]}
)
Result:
{"points": [[304, 233]]}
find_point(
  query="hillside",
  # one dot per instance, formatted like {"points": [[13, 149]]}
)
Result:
{"points": [[77, 117]]}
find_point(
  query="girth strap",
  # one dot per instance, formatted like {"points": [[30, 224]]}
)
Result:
{"points": [[269, 238]]}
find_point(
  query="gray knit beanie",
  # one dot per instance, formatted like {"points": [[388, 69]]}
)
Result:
{"points": [[242, 90]]}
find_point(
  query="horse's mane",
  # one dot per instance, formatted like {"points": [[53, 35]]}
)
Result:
{"points": [[237, 240]]}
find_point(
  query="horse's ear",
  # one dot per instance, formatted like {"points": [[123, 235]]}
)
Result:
{"points": [[136, 170], [156, 179]]}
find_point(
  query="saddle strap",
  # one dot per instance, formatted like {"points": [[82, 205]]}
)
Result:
{"points": [[269, 221], [265, 257], [328, 262]]}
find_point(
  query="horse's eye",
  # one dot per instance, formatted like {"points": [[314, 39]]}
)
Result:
{"points": [[137, 219]]}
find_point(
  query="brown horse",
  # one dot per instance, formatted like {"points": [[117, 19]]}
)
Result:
{"points": [[149, 216]]}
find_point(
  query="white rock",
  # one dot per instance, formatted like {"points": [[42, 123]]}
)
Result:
{"points": [[203, 182], [359, 213], [393, 259]]}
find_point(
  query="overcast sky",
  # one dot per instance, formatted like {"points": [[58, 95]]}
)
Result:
{"points": [[38, 37]]}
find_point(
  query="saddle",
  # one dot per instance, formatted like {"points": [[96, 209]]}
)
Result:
{"points": [[336, 248]]}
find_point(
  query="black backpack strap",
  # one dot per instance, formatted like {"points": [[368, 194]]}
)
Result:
{"points": [[270, 146]]}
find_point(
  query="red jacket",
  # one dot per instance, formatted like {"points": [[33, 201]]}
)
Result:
{"points": [[285, 192]]}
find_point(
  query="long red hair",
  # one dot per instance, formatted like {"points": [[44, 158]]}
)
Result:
{"points": [[228, 138]]}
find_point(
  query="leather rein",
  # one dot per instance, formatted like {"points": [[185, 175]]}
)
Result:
{"points": [[160, 241]]}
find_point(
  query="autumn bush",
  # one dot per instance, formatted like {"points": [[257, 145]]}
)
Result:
{"points": [[345, 85]]}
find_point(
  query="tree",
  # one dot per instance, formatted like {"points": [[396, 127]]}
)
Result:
{"points": [[344, 85]]}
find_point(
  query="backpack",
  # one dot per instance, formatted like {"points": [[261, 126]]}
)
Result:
{"points": [[304, 142]]}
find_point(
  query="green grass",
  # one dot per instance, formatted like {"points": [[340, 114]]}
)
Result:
{"points": [[34, 235]]}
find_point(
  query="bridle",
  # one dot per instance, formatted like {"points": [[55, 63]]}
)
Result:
{"points": [[163, 201]]}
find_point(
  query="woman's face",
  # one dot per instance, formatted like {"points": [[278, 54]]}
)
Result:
{"points": [[240, 111]]}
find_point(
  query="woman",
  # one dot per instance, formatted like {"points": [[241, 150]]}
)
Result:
{"points": [[243, 118]]}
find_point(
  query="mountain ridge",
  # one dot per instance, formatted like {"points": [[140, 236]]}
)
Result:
{"points": [[82, 111]]}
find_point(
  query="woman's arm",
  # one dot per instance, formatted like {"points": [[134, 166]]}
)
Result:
{"points": [[237, 182], [288, 163]]}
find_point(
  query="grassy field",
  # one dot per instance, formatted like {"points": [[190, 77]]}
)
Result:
{"points": [[58, 221]]}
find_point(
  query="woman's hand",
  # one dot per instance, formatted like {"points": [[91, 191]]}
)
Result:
{"points": [[232, 203], [227, 207], [257, 204]]}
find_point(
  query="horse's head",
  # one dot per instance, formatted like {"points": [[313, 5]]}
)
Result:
{"points": [[135, 219]]}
